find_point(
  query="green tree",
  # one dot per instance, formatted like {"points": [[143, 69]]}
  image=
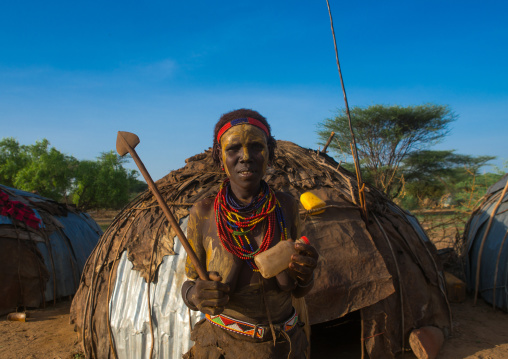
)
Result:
{"points": [[433, 174], [385, 135], [104, 183], [38, 168], [13, 158]]}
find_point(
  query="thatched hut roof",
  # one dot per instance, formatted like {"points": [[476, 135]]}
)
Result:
{"points": [[384, 266]]}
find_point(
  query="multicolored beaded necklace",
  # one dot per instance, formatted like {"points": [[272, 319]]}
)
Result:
{"points": [[234, 221]]}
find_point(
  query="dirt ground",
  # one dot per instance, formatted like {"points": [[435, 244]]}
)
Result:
{"points": [[479, 332], [45, 334]]}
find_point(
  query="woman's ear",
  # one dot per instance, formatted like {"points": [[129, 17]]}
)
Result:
{"points": [[219, 151]]}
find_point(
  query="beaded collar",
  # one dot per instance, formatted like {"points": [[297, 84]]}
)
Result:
{"points": [[235, 222]]}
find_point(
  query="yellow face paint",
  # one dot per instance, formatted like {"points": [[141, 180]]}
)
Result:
{"points": [[244, 152]]}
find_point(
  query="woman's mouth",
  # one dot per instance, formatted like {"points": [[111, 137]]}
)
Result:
{"points": [[246, 173]]}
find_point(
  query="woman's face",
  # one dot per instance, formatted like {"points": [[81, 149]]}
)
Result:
{"points": [[245, 155]]}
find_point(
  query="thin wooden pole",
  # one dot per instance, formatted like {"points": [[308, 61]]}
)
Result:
{"points": [[162, 203], [328, 142], [360, 181], [355, 152], [401, 287]]}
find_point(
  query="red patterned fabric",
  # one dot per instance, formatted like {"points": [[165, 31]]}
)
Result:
{"points": [[18, 211]]}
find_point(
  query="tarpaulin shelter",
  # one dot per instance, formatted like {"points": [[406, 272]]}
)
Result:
{"points": [[44, 246], [486, 250], [385, 267]]}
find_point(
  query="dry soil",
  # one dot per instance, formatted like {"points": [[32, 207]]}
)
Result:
{"points": [[479, 332]]}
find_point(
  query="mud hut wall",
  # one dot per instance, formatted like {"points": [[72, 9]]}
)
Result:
{"points": [[493, 248], [171, 318]]}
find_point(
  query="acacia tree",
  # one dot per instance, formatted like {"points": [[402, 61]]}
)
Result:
{"points": [[433, 174], [385, 135]]}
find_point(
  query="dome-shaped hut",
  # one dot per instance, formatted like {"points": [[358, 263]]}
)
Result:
{"points": [[486, 250], [44, 246], [383, 267]]}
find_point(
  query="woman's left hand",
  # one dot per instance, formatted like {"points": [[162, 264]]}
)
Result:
{"points": [[303, 263]]}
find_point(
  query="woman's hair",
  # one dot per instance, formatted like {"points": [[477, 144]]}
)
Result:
{"points": [[233, 115]]}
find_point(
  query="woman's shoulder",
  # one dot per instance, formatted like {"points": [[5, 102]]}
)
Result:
{"points": [[286, 197], [287, 200], [203, 206]]}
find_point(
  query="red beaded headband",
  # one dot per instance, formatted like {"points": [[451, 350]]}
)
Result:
{"points": [[239, 121]]}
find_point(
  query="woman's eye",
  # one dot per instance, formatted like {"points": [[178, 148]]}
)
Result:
{"points": [[232, 148]]}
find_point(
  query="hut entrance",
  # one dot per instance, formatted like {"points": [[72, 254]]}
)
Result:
{"points": [[339, 338]]}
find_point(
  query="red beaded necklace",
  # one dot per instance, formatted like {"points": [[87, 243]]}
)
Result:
{"points": [[234, 222]]}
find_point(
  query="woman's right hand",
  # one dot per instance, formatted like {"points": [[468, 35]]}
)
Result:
{"points": [[209, 296]]}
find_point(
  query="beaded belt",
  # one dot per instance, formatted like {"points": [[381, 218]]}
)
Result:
{"points": [[251, 330]]}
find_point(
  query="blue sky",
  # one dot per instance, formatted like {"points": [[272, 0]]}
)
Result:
{"points": [[78, 72]]}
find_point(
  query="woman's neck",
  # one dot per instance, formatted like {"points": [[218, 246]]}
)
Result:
{"points": [[244, 196]]}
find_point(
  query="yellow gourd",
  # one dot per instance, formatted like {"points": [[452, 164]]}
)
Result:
{"points": [[311, 201]]}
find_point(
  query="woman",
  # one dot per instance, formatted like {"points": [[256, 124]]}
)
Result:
{"points": [[246, 314]]}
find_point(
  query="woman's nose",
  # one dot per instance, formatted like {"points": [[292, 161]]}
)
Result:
{"points": [[245, 154]]}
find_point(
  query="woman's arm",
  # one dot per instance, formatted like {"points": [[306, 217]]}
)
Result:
{"points": [[207, 296], [195, 238]]}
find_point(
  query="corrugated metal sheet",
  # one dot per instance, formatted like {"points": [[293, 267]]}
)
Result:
{"points": [[128, 309], [477, 227]]}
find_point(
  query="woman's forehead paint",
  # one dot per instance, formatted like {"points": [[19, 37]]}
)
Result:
{"points": [[242, 133]]}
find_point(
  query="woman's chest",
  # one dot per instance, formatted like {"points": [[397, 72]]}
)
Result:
{"points": [[231, 254]]}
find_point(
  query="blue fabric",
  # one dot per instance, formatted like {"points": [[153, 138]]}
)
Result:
{"points": [[491, 250], [70, 248]]}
